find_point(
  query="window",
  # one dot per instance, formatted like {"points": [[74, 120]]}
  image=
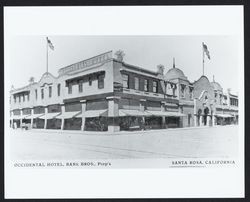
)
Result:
{"points": [[136, 83], [90, 81], [125, 81], [19, 98], [145, 85], [36, 93], [155, 86], [24, 98], [101, 81], [70, 89], [50, 91], [15, 99], [28, 97], [191, 92], [58, 89], [80, 87], [183, 90], [42, 93]]}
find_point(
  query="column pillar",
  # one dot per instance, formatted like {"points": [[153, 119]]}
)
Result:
{"points": [[45, 115], [200, 120], [21, 120], [113, 114], [31, 121], [213, 120], [83, 103], [142, 108], [163, 109], [63, 111], [208, 119], [181, 118], [195, 120]]}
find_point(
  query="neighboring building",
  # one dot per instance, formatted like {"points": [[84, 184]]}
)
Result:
{"points": [[107, 94]]}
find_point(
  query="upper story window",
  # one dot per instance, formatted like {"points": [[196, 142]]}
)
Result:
{"points": [[80, 87], [191, 92], [50, 91], [15, 99], [28, 97], [90, 81], [58, 89], [101, 81], [155, 86], [136, 83], [42, 93], [145, 85], [70, 89], [125, 79], [183, 90], [173, 87], [220, 98], [36, 93], [23, 98], [19, 98]]}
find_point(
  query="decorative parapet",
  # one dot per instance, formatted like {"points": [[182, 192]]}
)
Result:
{"points": [[86, 63]]}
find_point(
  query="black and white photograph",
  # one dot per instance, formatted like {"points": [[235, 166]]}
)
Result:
{"points": [[101, 101]]}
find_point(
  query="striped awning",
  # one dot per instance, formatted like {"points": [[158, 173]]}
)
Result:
{"points": [[20, 116], [130, 112], [68, 115], [50, 115], [34, 116], [224, 115], [92, 113], [166, 113]]}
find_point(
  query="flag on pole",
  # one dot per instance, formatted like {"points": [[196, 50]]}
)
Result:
{"points": [[50, 44], [205, 49]]}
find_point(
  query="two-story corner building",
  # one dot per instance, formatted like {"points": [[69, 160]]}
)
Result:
{"points": [[107, 94]]}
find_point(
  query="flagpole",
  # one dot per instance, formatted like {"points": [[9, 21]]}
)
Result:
{"points": [[47, 67], [202, 58]]}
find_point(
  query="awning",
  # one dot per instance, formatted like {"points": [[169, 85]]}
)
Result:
{"points": [[224, 115], [68, 115], [20, 116], [129, 112], [166, 113], [92, 113], [50, 115], [34, 116]]}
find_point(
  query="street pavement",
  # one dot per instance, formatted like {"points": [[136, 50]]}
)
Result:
{"points": [[205, 142]]}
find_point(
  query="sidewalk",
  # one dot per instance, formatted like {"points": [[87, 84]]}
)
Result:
{"points": [[120, 132]]}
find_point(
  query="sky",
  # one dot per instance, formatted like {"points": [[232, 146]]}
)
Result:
{"points": [[28, 55]]}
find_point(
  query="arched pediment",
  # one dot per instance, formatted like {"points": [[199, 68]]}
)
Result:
{"points": [[201, 86], [47, 78]]}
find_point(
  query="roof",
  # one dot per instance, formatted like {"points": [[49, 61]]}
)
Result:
{"points": [[216, 86], [175, 73]]}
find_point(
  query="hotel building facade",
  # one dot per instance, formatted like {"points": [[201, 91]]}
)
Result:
{"points": [[104, 93]]}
